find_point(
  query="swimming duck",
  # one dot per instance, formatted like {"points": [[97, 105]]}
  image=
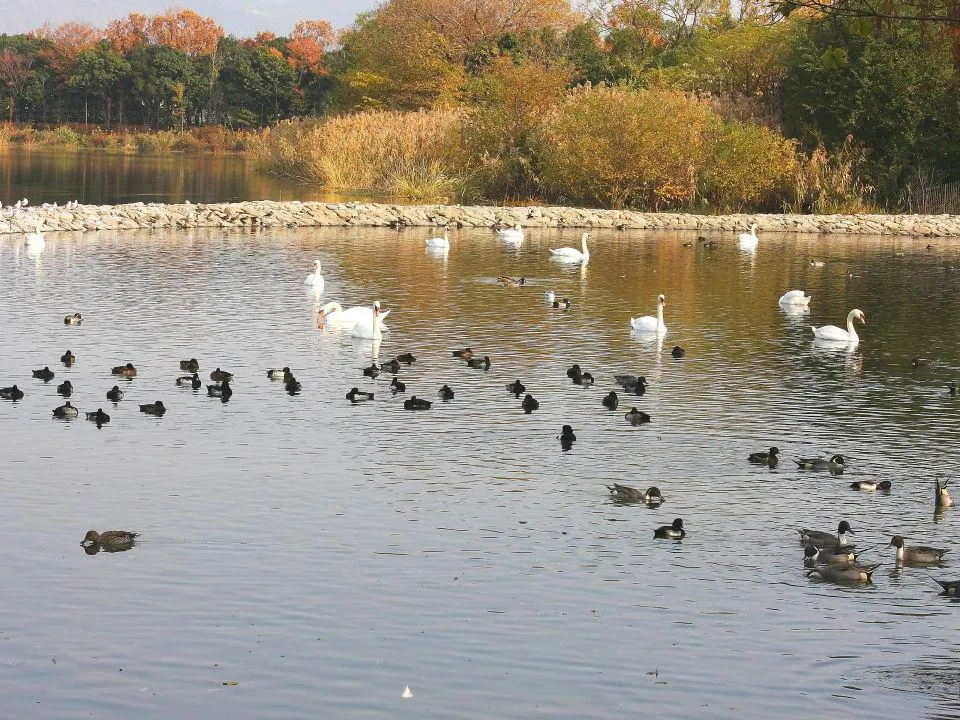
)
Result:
{"points": [[464, 354], [831, 555], [628, 382], [292, 385], [549, 296], [678, 352], [574, 370], [415, 403], [281, 374], [219, 375], [154, 408], [11, 393], [916, 554], [673, 531], [115, 394], [393, 366], [921, 362], [823, 539], [45, 374], [529, 404], [192, 365], [627, 494], [950, 587], [836, 463], [479, 363], [357, 395], [110, 540], [765, 458], [65, 388], [99, 417], [74, 319], [127, 370], [585, 379], [516, 387], [221, 390], [190, 381], [65, 411], [563, 304], [372, 371], [566, 435], [952, 389], [844, 574], [510, 282], [68, 358], [398, 386], [611, 401], [406, 358], [942, 499], [868, 485], [636, 417], [446, 392]]}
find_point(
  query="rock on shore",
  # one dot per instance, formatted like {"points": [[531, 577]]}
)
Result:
{"points": [[265, 213]]}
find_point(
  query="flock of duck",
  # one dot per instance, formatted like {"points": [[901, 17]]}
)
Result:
{"points": [[827, 555]]}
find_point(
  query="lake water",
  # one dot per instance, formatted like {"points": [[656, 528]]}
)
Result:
{"points": [[323, 556], [97, 178]]}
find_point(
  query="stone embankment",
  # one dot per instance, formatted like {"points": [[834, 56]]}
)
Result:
{"points": [[141, 216]]}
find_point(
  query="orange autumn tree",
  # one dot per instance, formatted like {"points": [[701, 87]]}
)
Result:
{"points": [[307, 47], [67, 41], [183, 30]]}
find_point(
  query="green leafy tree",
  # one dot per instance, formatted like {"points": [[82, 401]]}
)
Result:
{"points": [[100, 74], [159, 79]]}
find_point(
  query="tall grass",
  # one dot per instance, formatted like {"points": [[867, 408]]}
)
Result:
{"points": [[827, 183], [129, 139], [416, 155]]}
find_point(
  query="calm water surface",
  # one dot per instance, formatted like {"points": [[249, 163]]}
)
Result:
{"points": [[323, 555], [97, 178]]}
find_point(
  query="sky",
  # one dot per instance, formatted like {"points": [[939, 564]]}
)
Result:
{"points": [[242, 18]]}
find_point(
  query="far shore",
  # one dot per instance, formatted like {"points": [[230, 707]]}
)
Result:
{"points": [[266, 213]]}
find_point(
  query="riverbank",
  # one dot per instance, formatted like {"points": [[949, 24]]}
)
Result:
{"points": [[142, 216]]}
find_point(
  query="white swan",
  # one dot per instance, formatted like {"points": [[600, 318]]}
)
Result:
{"points": [[650, 324], [833, 333], [748, 241], [514, 234], [794, 297], [35, 240], [332, 313], [369, 328], [315, 278], [440, 243], [569, 254]]}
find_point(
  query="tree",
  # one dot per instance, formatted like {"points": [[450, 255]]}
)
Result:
{"points": [[892, 90], [14, 74], [160, 77], [100, 72]]}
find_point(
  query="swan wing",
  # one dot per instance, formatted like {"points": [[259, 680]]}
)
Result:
{"points": [[646, 323], [794, 297], [831, 332]]}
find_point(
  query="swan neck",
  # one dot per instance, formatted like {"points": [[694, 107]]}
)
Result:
{"points": [[850, 329], [583, 245]]}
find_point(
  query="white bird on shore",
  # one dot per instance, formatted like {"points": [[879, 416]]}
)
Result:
{"points": [[748, 241], [649, 324], [794, 297], [440, 243], [572, 255], [836, 334], [315, 278]]}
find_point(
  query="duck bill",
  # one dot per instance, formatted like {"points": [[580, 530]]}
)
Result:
{"points": [[87, 543]]}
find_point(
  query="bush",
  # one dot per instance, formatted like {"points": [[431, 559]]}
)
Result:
{"points": [[615, 147], [412, 153], [746, 165]]}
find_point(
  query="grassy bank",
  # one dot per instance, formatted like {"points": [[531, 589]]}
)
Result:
{"points": [[593, 146], [211, 139]]}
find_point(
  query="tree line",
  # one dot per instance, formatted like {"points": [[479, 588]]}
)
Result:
{"points": [[875, 85]]}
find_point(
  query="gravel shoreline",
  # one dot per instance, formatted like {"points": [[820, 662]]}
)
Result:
{"points": [[266, 213]]}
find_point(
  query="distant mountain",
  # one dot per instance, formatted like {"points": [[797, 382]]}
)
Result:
{"points": [[242, 18]]}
